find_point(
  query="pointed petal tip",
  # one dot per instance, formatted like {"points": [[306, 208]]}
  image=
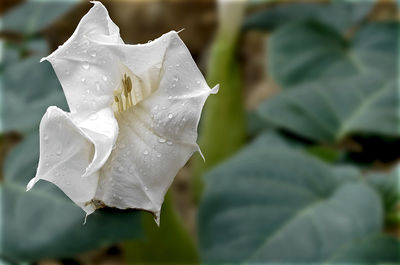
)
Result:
{"points": [[86, 216], [30, 185], [157, 218], [201, 154], [215, 89]]}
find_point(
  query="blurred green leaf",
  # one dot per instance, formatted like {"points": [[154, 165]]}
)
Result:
{"points": [[28, 88], [388, 186], [273, 204], [331, 110], [340, 15], [370, 250], [169, 243], [223, 126], [309, 51], [34, 15], [44, 223]]}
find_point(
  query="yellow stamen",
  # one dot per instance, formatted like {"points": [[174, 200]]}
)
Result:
{"points": [[118, 100]]}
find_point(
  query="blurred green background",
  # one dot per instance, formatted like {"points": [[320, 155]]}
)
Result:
{"points": [[302, 143]]}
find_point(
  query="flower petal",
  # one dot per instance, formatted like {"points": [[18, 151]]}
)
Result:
{"points": [[65, 153], [158, 135], [85, 69]]}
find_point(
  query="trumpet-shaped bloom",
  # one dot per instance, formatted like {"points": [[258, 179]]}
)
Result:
{"points": [[133, 121]]}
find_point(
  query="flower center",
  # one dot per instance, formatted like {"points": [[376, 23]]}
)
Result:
{"points": [[126, 91]]}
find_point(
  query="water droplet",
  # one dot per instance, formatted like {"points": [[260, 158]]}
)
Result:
{"points": [[173, 85], [85, 65], [170, 116], [198, 82], [169, 142], [105, 78], [158, 155], [146, 152], [83, 80], [98, 88], [93, 53], [169, 97], [177, 65], [145, 188], [59, 152], [176, 79], [46, 137], [161, 140]]}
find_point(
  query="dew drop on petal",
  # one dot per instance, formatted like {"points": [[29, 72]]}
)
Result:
{"points": [[198, 82], [170, 116], [161, 140], [169, 97], [146, 188], [169, 142], [98, 88], [59, 152], [146, 152], [46, 137], [93, 53], [158, 155], [85, 65], [104, 78], [83, 80]]}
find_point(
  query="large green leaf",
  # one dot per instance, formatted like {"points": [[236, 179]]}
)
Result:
{"points": [[273, 204], [28, 88], [329, 111], [309, 51], [44, 223], [339, 15], [34, 15]]}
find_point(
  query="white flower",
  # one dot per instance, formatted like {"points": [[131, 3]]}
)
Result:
{"points": [[133, 121]]}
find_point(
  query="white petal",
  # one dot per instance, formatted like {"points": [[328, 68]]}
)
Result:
{"points": [[65, 153], [87, 72], [102, 130], [158, 135]]}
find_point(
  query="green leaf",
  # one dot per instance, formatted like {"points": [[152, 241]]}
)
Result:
{"points": [[309, 51], [223, 127], [328, 111], [273, 204], [339, 15], [44, 223], [170, 242], [371, 250], [388, 186], [35, 15], [27, 89]]}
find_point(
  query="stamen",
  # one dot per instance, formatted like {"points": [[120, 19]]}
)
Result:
{"points": [[118, 100], [127, 90]]}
